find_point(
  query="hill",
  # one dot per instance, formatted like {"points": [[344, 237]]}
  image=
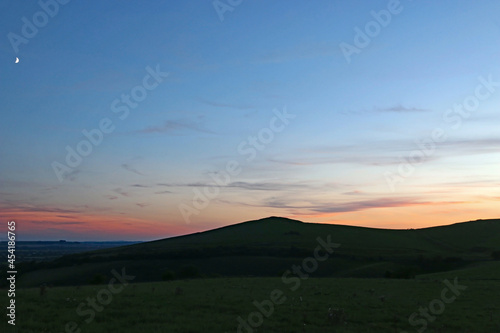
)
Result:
{"points": [[270, 246]]}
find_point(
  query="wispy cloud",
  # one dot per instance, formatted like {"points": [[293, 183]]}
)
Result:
{"points": [[66, 216], [164, 192], [472, 147], [386, 152], [313, 207], [400, 108], [226, 105], [318, 160], [58, 223], [476, 183], [353, 206], [165, 184], [131, 169], [263, 186], [367, 204], [38, 209], [121, 192], [175, 126], [253, 186], [354, 193]]}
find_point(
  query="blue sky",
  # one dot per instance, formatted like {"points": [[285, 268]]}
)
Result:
{"points": [[352, 121]]}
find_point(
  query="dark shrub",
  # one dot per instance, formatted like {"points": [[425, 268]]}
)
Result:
{"points": [[98, 279], [496, 255], [189, 272], [168, 275]]}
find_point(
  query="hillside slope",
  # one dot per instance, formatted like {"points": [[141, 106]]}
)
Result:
{"points": [[470, 239], [269, 246]]}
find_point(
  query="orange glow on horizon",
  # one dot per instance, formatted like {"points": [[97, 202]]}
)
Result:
{"points": [[91, 225], [52, 224]]}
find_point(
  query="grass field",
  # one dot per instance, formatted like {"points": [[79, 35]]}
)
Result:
{"points": [[213, 305], [241, 287]]}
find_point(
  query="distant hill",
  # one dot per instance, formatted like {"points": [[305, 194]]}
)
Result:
{"points": [[50, 250], [269, 246]]}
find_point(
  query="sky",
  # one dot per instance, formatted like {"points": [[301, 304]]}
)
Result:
{"points": [[140, 120]]}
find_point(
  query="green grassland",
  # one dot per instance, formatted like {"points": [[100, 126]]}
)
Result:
{"points": [[213, 305]]}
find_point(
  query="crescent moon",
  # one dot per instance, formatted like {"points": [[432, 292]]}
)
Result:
{"points": [[17, 60]]}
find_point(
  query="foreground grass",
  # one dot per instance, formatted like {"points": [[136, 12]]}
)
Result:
{"points": [[213, 305]]}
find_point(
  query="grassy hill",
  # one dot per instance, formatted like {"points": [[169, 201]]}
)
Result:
{"points": [[270, 246], [277, 235]]}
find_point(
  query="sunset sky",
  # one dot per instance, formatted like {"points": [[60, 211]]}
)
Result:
{"points": [[370, 113]]}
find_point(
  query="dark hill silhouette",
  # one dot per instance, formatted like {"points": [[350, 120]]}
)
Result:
{"points": [[268, 246]]}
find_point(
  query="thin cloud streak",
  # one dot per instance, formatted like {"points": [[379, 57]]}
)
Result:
{"points": [[225, 105], [342, 207], [252, 186], [131, 169], [401, 109], [385, 153], [175, 126]]}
